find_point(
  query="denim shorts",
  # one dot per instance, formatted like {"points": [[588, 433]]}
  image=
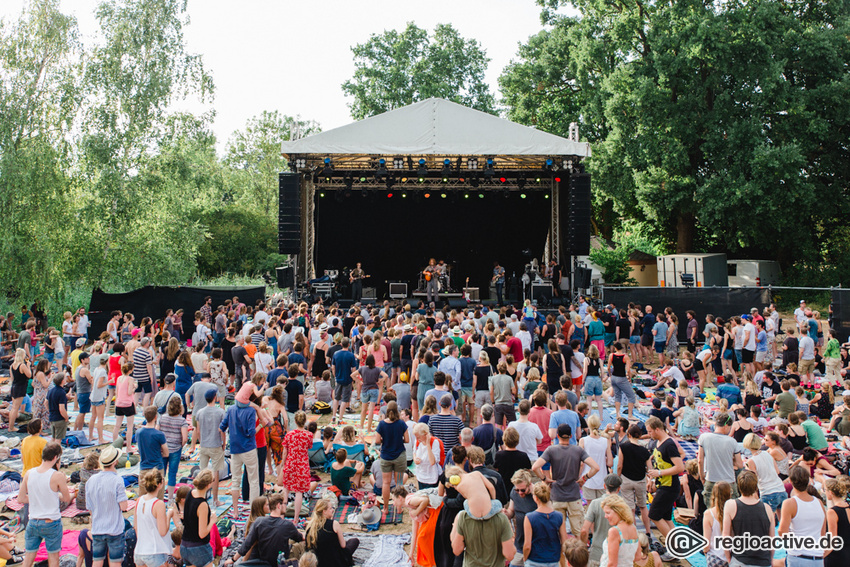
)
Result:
{"points": [[38, 530], [114, 544], [85, 402], [155, 560], [634, 340], [774, 500], [369, 396], [530, 563], [593, 386], [659, 347], [100, 403], [200, 556], [171, 464]]}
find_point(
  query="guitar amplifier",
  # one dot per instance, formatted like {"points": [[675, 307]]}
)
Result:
{"points": [[369, 295], [541, 291], [471, 293], [398, 290]]}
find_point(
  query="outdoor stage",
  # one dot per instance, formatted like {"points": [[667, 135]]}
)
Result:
{"points": [[432, 180]]}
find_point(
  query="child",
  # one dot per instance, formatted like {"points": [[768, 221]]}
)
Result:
{"points": [[175, 514], [682, 393], [91, 466], [481, 503], [250, 390], [759, 423], [576, 553], [688, 420], [343, 471], [175, 559]]}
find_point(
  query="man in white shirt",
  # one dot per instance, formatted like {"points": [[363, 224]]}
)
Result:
{"points": [[83, 324], [450, 366], [748, 345], [807, 359], [524, 337], [800, 316], [514, 325], [261, 317]]}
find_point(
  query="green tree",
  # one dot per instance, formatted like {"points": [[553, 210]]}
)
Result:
{"points": [[254, 158], [714, 123], [239, 240], [395, 69]]}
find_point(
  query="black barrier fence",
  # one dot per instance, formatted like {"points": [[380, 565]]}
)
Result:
{"points": [[840, 320], [152, 302], [722, 302]]}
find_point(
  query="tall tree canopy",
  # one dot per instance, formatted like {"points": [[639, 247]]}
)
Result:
{"points": [[394, 69], [715, 123]]}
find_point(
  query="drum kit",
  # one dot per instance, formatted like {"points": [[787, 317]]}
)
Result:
{"points": [[443, 279]]}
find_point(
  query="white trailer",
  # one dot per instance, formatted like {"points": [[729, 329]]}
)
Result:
{"points": [[753, 273], [699, 270]]}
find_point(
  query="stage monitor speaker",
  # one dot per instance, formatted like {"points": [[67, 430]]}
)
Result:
{"points": [[541, 292], [369, 295], [582, 277], [578, 238], [457, 303], [285, 277], [289, 213]]}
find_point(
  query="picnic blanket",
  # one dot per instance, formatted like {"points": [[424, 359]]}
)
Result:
{"points": [[348, 507], [70, 512], [384, 550], [69, 545]]}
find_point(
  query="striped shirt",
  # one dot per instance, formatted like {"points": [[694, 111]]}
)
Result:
{"points": [[257, 338], [104, 493], [447, 429], [141, 358], [172, 426]]}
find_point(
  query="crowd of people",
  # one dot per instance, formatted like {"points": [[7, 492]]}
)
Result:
{"points": [[488, 426]]}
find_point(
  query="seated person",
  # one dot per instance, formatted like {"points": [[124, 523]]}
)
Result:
{"points": [[344, 470], [727, 389], [479, 492], [376, 478], [346, 436], [759, 423], [841, 418]]}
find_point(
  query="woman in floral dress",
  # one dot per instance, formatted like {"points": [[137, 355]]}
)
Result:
{"points": [[294, 472], [40, 384]]}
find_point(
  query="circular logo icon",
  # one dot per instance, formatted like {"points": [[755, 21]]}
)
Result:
{"points": [[682, 542]]}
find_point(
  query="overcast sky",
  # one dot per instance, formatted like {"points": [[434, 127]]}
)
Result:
{"points": [[293, 56]]}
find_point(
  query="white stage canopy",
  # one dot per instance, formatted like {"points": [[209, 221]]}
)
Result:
{"points": [[436, 127]]}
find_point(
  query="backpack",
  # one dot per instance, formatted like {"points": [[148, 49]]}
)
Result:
{"points": [[162, 409], [321, 408], [442, 456]]}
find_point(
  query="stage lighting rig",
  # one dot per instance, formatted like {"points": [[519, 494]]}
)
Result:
{"points": [[489, 169], [349, 181], [550, 165], [381, 171], [422, 170], [300, 164], [398, 163], [328, 170], [447, 168], [390, 182], [474, 180], [472, 164], [520, 181]]}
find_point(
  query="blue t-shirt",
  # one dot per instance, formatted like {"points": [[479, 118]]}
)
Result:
{"points": [[56, 397], [392, 438], [274, 374], [566, 416], [648, 322], [297, 358], [813, 330], [294, 389], [661, 332], [439, 395], [761, 344], [467, 370], [730, 392], [150, 443], [242, 423], [344, 362]]}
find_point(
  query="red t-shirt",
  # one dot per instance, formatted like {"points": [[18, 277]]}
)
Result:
{"points": [[540, 415], [260, 437], [515, 346]]}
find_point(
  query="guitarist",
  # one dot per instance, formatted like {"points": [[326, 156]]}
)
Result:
{"points": [[499, 280], [431, 273], [356, 280]]}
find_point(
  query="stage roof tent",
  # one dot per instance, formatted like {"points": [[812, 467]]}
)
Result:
{"points": [[436, 127]]}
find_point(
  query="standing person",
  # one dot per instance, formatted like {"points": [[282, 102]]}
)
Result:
{"points": [[151, 523], [373, 379], [242, 424], [544, 531], [356, 280], [541, 415], [659, 334], [556, 367], [446, 426], [712, 524], [21, 374], [592, 370], [152, 444], [40, 387], [502, 393], [804, 516], [668, 466], [498, 280], [324, 537], [747, 516], [510, 460], [692, 330], [143, 372], [598, 446], [124, 406], [596, 523], [807, 360], [207, 422], [632, 467], [173, 425], [391, 434], [294, 473], [621, 544], [431, 273], [565, 475], [84, 380], [529, 433], [484, 543], [521, 503], [32, 446], [832, 358], [838, 522], [57, 403], [426, 457], [41, 489], [619, 368], [719, 456], [771, 487], [106, 499], [198, 521], [343, 364]]}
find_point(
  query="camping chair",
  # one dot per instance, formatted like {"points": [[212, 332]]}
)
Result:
{"points": [[317, 455], [355, 452]]}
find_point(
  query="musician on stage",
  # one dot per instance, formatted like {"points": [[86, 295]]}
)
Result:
{"points": [[555, 274], [431, 274], [356, 280], [499, 280]]}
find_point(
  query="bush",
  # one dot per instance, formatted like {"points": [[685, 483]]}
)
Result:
{"points": [[239, 241]]}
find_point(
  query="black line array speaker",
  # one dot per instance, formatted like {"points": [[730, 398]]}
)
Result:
{"points": [[578, 238], [285, 277], [289, 214], [582, 277]]}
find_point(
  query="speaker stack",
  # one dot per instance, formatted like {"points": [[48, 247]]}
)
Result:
{"points": [[578, 238], [289, 213]]}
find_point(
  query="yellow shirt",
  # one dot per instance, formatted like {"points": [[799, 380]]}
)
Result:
{"points": [[31, 449], [75, 361]]}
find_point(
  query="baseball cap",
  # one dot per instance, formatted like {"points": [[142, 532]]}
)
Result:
{"points": [[564, 430], [170, 378], [81, 341], [802, 301], [613, 482]]}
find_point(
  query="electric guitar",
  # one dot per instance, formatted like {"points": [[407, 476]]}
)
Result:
{"points": [[351, 278], [428, 275], [466, 292]]}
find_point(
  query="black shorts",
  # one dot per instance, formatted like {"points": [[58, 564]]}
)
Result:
{"points": [[504, 413], [646, 340], [698, 365], [144, 386], [747, 356], [662, 503], [19, 389], [128, 411]]}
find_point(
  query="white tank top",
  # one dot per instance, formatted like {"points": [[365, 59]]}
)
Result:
{"points": [[596, 448], [149, 542], [769, 481], [808, 521], [44, 501]]}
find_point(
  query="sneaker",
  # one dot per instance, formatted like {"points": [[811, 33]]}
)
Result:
{"points": [[667, 558]]}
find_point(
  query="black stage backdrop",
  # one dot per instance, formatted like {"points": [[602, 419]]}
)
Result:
{"points": [[722, 302], [394, 238], [841, 313], [151, 301]]}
